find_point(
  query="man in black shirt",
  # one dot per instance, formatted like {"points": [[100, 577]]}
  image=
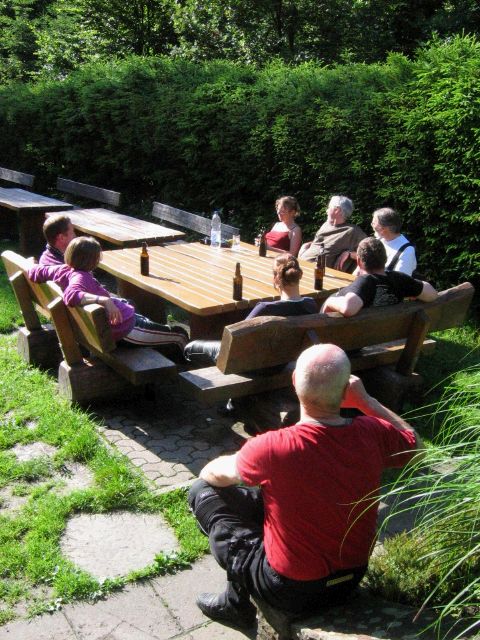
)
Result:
{"points": [[374, 286]]}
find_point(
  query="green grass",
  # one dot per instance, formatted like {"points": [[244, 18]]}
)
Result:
{"points": [[10, 315], [30, 555], [438, 562]]}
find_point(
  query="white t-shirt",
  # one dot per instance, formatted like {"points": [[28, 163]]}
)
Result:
{"points": [[407, 261]]}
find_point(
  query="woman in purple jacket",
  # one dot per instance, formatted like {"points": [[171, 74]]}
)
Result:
{"points": [[81, 288]]}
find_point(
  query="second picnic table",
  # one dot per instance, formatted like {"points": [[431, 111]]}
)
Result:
{"points": [[198, 278], [30, 209], [119, 229]]}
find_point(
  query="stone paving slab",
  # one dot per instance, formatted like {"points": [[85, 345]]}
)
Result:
{"points": [[160, 609], [112, 545]]}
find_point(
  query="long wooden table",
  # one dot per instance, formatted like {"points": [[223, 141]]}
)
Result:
{"points": [[120, 229], [198, 279], [30, 209]]}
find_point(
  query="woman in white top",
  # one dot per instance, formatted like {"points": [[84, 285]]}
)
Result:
{"points": [[387, 223]]}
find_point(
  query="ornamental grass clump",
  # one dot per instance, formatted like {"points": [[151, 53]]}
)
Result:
{"points": [[438, 562]]}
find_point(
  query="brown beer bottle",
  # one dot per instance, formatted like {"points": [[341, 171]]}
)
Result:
{"points": [[237, 283], [262, 247], [144, 260], [319, 272]]}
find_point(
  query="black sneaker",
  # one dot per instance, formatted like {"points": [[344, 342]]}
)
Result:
{"points": [[212, 606]]}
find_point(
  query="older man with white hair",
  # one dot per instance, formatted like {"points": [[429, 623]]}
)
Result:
{"points": [[339, 237], [300, 533]]}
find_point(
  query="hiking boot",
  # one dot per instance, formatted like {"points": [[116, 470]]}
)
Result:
{"points": [[214, 607]]}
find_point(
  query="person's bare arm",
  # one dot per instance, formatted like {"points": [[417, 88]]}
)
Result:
{"points": [[429, 293], [221, 472], [113, 312], [295, 241], [348, 305], [356, 397]]}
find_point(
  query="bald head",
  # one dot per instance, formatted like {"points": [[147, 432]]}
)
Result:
{"points": [[321, 374]]}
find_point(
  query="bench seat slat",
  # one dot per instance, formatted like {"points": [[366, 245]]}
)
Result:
{"points": [[139, 365], [211, 385]]}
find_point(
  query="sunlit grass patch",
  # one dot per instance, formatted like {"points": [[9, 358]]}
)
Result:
{"points": [[31, 561]]}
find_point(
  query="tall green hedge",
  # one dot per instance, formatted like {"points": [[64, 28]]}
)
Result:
{"points": [[218, 134]]}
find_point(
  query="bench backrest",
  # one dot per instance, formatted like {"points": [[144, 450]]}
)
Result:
{"points": [[87, 326], [112, 198], [41, 295], [267, 341], [189, 220], [9, 175]]}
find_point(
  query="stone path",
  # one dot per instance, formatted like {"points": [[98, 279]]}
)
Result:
{"points": [[170, 441]]}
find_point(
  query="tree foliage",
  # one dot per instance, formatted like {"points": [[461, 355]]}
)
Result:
{"points": [[198, 135], [49, 38]]}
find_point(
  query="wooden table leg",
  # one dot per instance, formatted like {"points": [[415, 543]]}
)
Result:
{"points": [[211, 327], [146, 303], [8, 224], [30, 231]]}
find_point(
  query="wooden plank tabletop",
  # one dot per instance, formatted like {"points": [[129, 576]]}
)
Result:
{"points": [[198, 278], [120, 229], [20, 200]]}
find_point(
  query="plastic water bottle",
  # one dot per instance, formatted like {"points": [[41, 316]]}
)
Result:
{"points": [[216, 230]]}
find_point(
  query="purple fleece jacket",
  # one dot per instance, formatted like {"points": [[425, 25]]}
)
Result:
{"points": [[75, 283]]}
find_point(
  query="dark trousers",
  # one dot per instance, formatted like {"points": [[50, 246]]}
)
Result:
{"points": [[232, 518]]}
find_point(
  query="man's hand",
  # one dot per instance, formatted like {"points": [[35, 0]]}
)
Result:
{"points": [[355, 395]]}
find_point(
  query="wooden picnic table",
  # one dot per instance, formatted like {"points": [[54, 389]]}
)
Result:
{"points": [[198, 278], [30, 209], [120, 229]]}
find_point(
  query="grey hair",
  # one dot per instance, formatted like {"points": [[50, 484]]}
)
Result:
{"points": [[345, 204], [388, 217], [321, 374]]}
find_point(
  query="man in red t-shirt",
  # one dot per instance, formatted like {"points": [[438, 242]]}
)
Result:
{"points": [[301, 532]]}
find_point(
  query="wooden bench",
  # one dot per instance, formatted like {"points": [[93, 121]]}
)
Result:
{"points": [[89, 192], [7, 219], [17, 177], [375, 338], [189, 220], [93, 365], [37, 342]]}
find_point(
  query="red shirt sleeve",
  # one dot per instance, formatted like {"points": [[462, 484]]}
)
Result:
{"points": [[399, 446], [253, 459]]}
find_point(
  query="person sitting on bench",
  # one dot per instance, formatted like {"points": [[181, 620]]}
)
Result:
{"points": [[387, 225], [299, 535], [81, 288], [58, 231], [338, 237], [374, 286], [285, 235], [287, 274]]}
